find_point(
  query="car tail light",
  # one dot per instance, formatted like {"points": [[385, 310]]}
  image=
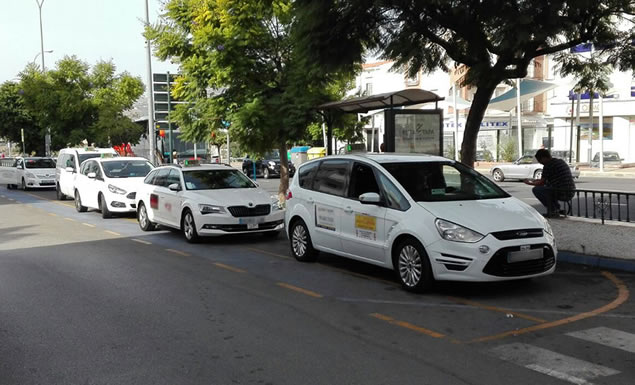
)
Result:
{"points": [[289, 195], [154, 201]]}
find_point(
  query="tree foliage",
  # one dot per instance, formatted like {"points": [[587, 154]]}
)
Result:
{"points": [[496, 39], [14, 117], [245, 52], [79, 103]]}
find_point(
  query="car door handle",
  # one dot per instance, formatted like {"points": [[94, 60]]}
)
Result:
{"points": [[348, 209]]}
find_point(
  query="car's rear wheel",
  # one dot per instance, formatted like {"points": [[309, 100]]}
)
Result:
{"points": [[78, 203], [498, 175], [189, 227], [144, 221], [538, 174], [412, 266], [265, 173], [300, 241], [103, 207]]}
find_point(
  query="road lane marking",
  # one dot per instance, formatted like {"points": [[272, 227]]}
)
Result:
{"points": [[554, 364], [88, 224], [230, 268], [608, 337], [300, 290], [130, 220], [407, 325], [182, 253], [141, 241], [497, 309], [111, 232], [29, 206], [267, 252], [52, 214], [622, 296], [69, 219]]}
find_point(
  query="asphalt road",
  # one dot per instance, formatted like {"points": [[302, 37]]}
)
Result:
{"points": [[90, 301]]}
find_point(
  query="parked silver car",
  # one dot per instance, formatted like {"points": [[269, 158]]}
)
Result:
{"points": [[526, 167]]}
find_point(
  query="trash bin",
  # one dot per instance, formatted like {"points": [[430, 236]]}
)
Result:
{"points": [[316, 152], [299, 155]]}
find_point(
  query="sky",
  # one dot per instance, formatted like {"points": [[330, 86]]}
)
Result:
{"points": [[93, 30]]}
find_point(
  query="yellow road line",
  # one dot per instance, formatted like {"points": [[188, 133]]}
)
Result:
{"points": [[300, 290], [141, 241], [183, 253], [69, 219], [88, 224], [52, 214], [407, 325], [111, 232], [622, 296], [130, 220], [29, 206], [230, 268], [267, 252], [497, 309]]}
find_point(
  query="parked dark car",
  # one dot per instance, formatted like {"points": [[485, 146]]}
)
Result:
{"points": [[266, 167]]}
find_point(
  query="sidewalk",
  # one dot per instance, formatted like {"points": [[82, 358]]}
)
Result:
{"points": [[585, 171]]}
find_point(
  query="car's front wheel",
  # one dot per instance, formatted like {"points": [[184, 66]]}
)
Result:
{"points": [[300, 241], [24, 187], [189, 227], [498, 175], [538, 174], [78, 203], [58, 193], [144, 221], [265, 173], [103, 207], [412, 265]]}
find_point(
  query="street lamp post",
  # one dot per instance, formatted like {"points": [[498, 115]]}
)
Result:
{"points": [[47, 138], [38, 54]]}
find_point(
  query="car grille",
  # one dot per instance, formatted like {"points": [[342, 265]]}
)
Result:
{"points": [[498, 265], [244, 211], [517, 234], [132, 195]]}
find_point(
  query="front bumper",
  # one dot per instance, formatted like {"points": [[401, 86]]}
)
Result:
{"points": [[118, 203], [40, 183], [212, 224], [466, 262]]}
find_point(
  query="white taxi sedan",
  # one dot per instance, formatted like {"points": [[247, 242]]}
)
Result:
{"points": [[426, 217], [201, 200], [110, 184]]}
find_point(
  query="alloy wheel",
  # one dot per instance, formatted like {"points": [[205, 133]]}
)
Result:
{"points": [[299, 240], [410, 266], [188, 226]]}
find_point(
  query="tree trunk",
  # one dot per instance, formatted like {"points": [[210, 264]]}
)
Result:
{"points": [[474, 118], [284, 172]]}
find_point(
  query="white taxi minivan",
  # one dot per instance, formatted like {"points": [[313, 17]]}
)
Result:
{"points": [[68, 162], [426, 217], [207, 200], [110, 184]]}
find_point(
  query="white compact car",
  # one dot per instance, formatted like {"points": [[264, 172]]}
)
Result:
{"points": [[110, 184], [213, 199], [426, 217], [32, 172], [68, 162]]}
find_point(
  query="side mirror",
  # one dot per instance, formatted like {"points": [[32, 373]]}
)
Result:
{"points": [[175, 187], [370, 198], [91, 175], [70, 169]]}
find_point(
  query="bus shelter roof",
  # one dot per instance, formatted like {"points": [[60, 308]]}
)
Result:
{"points": [[407, 97]]}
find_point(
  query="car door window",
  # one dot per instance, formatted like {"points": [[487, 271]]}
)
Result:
{"points": [[394, 198], [331, 177], [19, 164], [85, 168], [362, 181], [527, 160], [150, 177], [161, 178], [306, 175], [70, 161], [173, 177]]}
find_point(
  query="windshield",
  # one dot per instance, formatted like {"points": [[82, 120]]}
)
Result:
{"points": [[126, 168], [443, 181], [39, 163], [216, 179], [272, 155], [83, 157]]}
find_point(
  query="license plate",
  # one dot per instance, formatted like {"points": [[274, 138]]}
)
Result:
{"points": [[252, 223], [47, 182], [251, 226], [525, 254]]}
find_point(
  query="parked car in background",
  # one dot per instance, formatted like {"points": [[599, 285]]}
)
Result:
{"points": [[68, 162], [526, 167], [611, 158], [110, 184], [28, 172], [484, 156], [268, 166]]}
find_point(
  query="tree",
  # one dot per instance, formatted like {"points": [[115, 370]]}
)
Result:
{"points": [[14, 117], [245, 50], [495, 39], [78, 103]]}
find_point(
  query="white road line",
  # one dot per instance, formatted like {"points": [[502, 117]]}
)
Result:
{"points": [[87, 224], [141, 241], [551, 363], [608, 337]]}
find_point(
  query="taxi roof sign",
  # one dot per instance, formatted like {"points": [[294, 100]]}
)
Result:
{"points": [[107, 155], [191, 163]]}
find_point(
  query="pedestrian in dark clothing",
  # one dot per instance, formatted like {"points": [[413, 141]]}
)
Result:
{"points": [[556, 183]]}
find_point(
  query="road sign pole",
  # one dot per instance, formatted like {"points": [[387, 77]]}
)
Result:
{"points": [[169, 122], [151, 128]]}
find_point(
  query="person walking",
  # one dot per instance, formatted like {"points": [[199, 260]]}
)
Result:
{"points": [[556, 183]]}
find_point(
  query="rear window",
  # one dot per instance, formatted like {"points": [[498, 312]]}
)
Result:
{"points": [[83, 157]]}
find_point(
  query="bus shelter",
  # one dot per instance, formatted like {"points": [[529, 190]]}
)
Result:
{"points": [[405, 130]]}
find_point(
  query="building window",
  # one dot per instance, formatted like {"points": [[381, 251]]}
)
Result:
{"points": [[413, 81], [369, 89]]}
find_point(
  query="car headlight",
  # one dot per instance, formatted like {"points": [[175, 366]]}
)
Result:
{"points": [[456, 233], [547, 227], [30, 175], [211, 209], [116, 190], [276, 204]]}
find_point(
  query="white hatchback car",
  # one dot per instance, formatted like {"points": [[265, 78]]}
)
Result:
{"points": [[426, 217], [213, 199], [110, 184]]}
